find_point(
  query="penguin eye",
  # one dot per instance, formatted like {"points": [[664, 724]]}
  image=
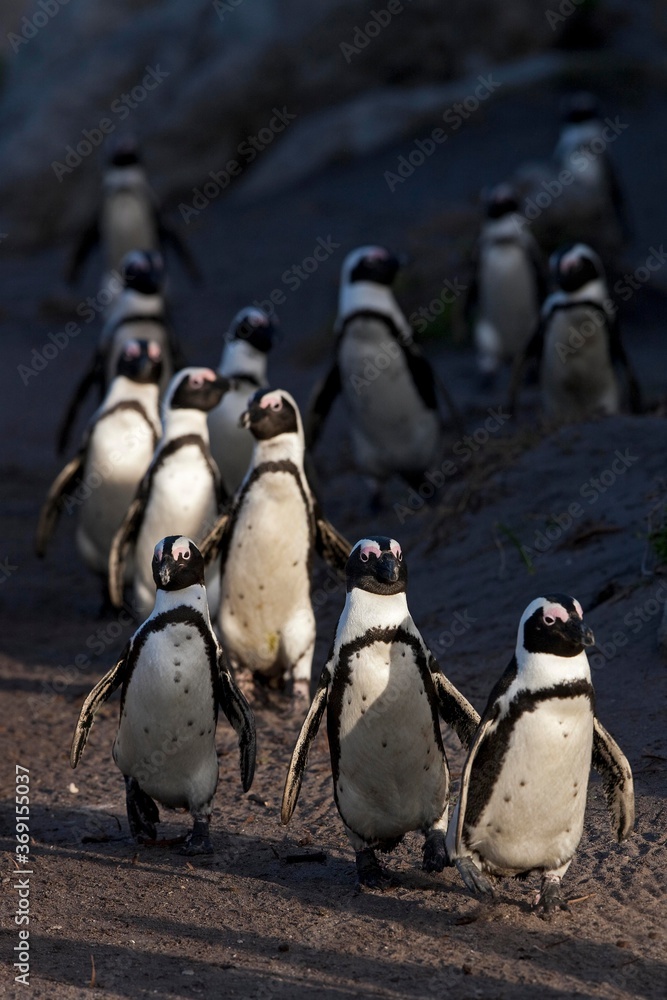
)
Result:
{"points": [[363, 556], [548, 620], [196, 381], [186, 553], [276, 404]]}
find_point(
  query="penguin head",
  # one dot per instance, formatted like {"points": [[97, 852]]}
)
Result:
{"points": [[125, 152], [177, 563], [374, 264], [500, 200], [143, 271], [554, 624], [141, 361], [376, 565], [254, 326], [580, 107], [271, 412], [196, 389], [574, 265]]}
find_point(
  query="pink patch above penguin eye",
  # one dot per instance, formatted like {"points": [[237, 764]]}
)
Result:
{"points": [[271, 402], [552, 612], [578, 608], [154, 351], [180, 551], [396, 549], [132, 349], [370, 548], [157, 552]]}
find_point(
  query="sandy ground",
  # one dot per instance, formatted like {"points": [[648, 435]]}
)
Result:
{"points": [[108, 919]]}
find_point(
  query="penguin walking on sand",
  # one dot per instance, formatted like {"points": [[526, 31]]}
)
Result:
{"points": [[523, 788], [266, 540], [102, 478], [577, 343], [181, 487], [126, 218], [388, 387], [140, 313], [384, 694], [173, 676], [248, 342], [508, 285]]}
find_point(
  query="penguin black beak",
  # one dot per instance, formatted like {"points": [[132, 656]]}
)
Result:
{"points": [[387, 568], [244, 419], [587, 636], [579, 633]]}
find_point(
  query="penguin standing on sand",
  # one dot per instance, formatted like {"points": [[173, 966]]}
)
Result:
{"points": [[126, 218], [244, 358], [181, 487], [388, 387], [384, 693], [174, 676], [523, 788], [139, 314], [578, 343], [266, 541], [102, 478], [508, 286]]}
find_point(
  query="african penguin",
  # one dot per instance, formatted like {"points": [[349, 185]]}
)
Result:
{"points": [[578, 343], [126, 218], [174, 676], [244, 358], [384, 692], [508, 285], [180, 491], [102, 479], [138, 313], [266, 540], [388, 387], [523, 788]]}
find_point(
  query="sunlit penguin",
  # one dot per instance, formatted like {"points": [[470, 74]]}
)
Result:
{"points": [[100, 482], [248, 342], [173, 676], [384, 694], [388, 387], [578, 344], [523, 789], [266, 541], [508, 285], [181, 487]]}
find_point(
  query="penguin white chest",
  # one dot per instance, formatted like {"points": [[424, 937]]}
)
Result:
{"points": [[535, 814], [392, 774], [166, 735], [231, 445], [508, 300], [576, 373]]}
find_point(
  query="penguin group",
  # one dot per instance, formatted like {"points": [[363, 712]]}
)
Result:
{"points": [[194, 492]]}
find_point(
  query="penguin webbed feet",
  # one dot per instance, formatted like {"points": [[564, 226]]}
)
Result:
{"points": [[142, 812], [550, 897], [473, 878], [198, 840], [435, 856], [370, 872]]}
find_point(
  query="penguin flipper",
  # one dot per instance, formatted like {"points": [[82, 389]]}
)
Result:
{"points": [[611, 763], [240, 717], [322, 399], [619, 356], [533, 349], [50, 512], [330, 544], [454, 709], [299, 759], [123, 541], [477, 741], [93, 376], [100, 693], [212, 544], [428, 384]]}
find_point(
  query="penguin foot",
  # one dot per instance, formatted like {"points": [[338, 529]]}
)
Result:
{"points": [[198, 840], [142, 813], [473, 878], [434, 851], [370, 872], [549, 897]]}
